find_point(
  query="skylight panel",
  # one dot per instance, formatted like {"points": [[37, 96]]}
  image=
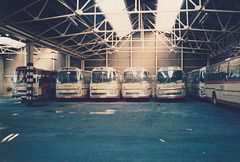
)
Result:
{"points": [[115, 12], [167, 14], [11, 43]]}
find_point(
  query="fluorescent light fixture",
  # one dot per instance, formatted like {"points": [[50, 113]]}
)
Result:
{"points": [[11, 43], [72, 21], [167, 14], [204, 18], [9, 59], [116, 13]]}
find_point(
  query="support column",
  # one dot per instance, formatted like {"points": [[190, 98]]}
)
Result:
{"points": [[53, 68], [156, 52], [83, 64], [131, 57], [29, 71], [182, 56], [25, 56], [1, 74], [106, 58], [208, 60], [67, 60]]}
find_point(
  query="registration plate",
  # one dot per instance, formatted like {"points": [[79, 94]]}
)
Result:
{"points": [[134, 96], [170, 91]]}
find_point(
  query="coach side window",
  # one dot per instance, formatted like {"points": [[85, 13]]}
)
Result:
{"points": [[213, 73], [223, 70], [234, 69], [149, 77], [195, 79]]}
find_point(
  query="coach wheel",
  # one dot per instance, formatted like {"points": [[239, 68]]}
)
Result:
{"points": [[24, 100], [214, 99], [47, 94]]}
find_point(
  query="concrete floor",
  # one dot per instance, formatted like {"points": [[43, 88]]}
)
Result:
{"points": [[118, 131]]}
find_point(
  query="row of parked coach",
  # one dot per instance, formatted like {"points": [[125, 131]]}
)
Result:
{"points": [[220, 83]]}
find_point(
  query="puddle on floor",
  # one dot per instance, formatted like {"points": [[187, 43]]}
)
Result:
{"points": [[109, 111], [56, 111], [2, 127]]}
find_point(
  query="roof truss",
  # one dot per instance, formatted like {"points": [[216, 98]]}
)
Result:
{"points": [[51, 23]]}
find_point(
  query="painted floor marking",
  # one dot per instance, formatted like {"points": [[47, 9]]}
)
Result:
{"points": [[10, 137]]}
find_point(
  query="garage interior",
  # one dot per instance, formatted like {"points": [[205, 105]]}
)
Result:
{"points": [[190, 34], [199, 34]]}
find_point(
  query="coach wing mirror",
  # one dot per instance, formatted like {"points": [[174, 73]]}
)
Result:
{"points": [[114, 78], [184, 79]]}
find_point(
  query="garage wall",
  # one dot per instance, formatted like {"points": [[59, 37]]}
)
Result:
{"points": [[52, 60], [166, 57], [1, 74], [95, 61], [45, 59], [142, 50], [9, 67], [121, 59], [48, 59], [194, 61]]}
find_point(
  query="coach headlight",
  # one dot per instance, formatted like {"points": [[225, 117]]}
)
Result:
{"points": [[145, 90], [113, 91], [14, 90], [34, 90], [203, 92], [160, 91], [58, 92], [93, 91], [124, 91], [182, 91], [78, 91]]}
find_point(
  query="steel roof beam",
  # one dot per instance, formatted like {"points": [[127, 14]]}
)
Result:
{"points": [[129, 12]]}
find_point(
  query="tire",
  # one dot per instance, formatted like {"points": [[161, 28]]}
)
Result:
{"points": [[24, 100], [47, 94], [214, 99], [185, 99]]}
